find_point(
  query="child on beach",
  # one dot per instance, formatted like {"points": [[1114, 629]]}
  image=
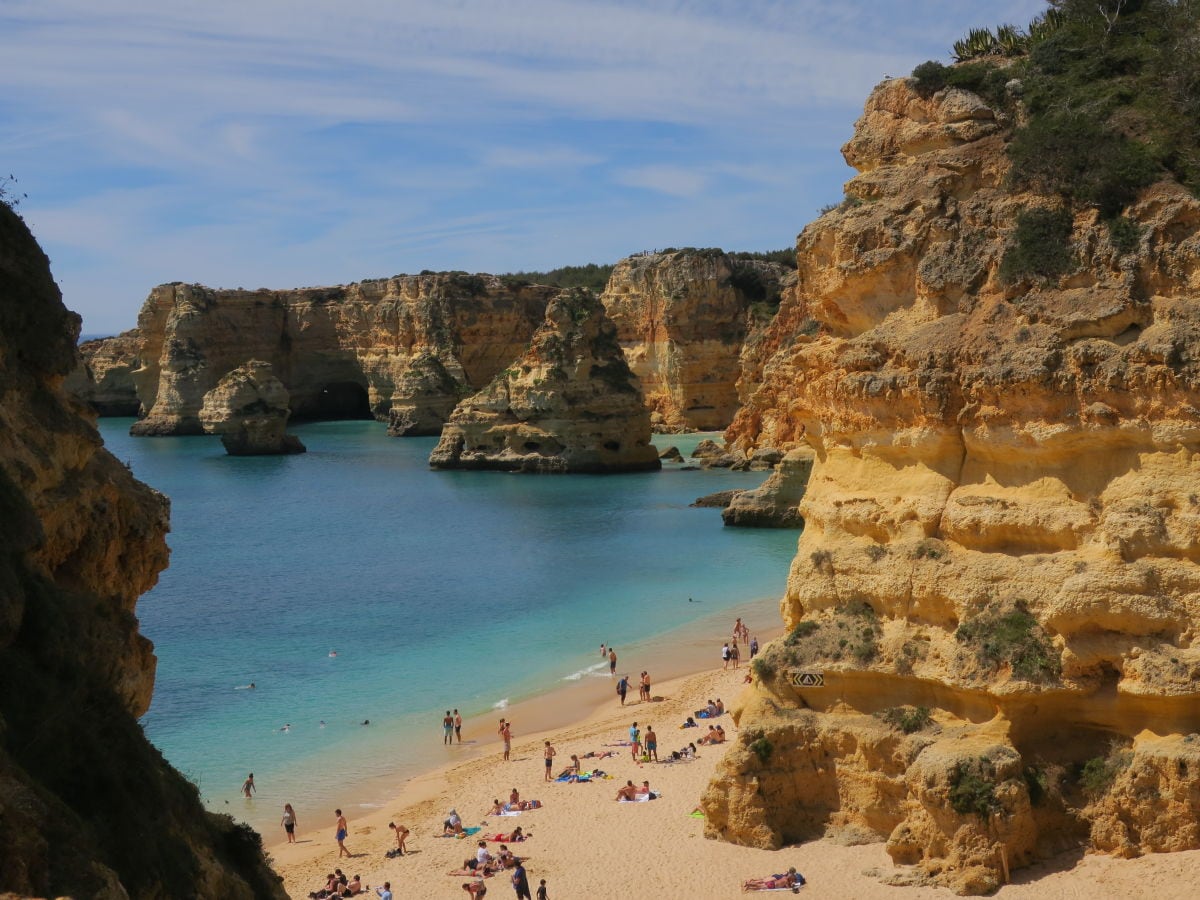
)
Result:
{"points": [[541, 891]]}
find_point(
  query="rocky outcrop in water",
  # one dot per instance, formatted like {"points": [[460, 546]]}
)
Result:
{"points": [[998, 576], [88, 808], [249, 410], [569, 404], [776, 502], [403, 350], [682, 317]]}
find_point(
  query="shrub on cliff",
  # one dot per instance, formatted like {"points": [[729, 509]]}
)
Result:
{"points": [[1040, 248], [973, 788], [1011, 636]]}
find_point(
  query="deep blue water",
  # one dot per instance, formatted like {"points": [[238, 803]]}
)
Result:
{"points": [[435, 589]]}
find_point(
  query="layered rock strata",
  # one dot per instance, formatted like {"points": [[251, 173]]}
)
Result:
{"points": [[105, 379], [249, 410], [569, 404], [682, 318], [997, 579], [403, 350], [88, 808]]}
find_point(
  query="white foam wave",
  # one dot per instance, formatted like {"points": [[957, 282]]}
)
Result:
{"points": [[500, 704], [597, 669]]}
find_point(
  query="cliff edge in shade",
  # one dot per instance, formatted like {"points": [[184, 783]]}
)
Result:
{"points": [[89, 807]]}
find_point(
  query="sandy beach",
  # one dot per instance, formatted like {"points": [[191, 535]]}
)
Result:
{"points": [[585, 844]]}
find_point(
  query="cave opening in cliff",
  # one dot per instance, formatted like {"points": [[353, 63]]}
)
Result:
{"points": [[336, 400]]}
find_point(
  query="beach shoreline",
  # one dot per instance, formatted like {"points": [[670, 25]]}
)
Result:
{"points": [[587, 844], [685, 651]]}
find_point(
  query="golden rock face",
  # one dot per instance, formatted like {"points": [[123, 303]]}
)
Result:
{"points": [[1006, 495], [569, 404]]}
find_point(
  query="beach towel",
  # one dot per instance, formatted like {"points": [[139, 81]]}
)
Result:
{"points": [[620, 744], [793, 890], [474, 829], [644, 798], [510, 812], [501, 839], [696, 814], [473, 872]]}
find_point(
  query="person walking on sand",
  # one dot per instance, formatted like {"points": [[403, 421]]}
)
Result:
{"points": [[342, 831], [458, 726], [548, 753], [612, 661], [447, 728], [734, 655], [506, 735], [520, 882], [289, 822], [542, 893], [248, 787], [754, 646], [622, 688]]}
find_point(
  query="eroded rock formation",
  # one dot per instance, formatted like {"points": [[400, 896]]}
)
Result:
{"points": [[682, 318], [569, 404], [1002, 524], [105, 379], [88, 807], [776, 502], [249, 410], [404, 350]]}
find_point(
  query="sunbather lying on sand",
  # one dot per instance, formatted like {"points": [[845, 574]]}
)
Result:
{"points": [[513, 837], [523, 805], [603, 754], [789, 879]]}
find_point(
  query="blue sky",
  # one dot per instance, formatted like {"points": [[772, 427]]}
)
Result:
{"points": [[281, 143]]}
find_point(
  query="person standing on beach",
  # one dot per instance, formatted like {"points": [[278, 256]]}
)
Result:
{"points": [[520, 882], [734, 655], [645, 687], [342, 831], [622, 688], [447, 728], [458, 726], [651, 743], [725, 656], [754, 646], [612, 661], [248, 787], [289, 822], [548, 754], [506, 734], [542, 894], [635, 741]]}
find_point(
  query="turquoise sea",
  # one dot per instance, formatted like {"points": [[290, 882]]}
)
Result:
{"points": [[433, 589]]}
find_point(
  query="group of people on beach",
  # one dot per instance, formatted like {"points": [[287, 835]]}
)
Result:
{"points": [[451, 727]]}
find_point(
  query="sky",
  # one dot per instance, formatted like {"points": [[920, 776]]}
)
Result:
{"points": [[286, 143]]}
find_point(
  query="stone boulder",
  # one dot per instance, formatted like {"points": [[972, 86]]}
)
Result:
{"points": [[671, 454], [249, 409], [569, 404], [776, 502]]}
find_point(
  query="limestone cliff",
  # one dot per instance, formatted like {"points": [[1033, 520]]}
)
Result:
{"points": [[682, 318], [998, 574], [569, 404], [249, 410], [776, 502], [88, 807], [404, 350], [105, 379]]}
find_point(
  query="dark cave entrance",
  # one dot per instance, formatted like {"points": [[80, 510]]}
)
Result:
{"points": [[336, 400]]}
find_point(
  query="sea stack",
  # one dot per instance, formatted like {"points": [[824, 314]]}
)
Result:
{"points": [[569, 404], [249, 410]]}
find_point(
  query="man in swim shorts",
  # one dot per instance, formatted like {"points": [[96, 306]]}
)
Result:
{"points": [[651, 743], [458, 726], [548, 753], [342, 831], [612, 661], [447, 728]]}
